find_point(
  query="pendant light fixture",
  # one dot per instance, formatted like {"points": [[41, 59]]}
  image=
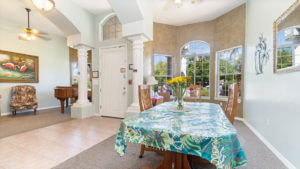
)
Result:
{"points": [[178, 3], [44, 5], [27, 33]]}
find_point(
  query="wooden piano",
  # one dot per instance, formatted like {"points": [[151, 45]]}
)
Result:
{"points": [[63, 93]]}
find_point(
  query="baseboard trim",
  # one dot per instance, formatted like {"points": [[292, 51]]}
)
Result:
{"points": [[50, 107], [239, 119], [285, 161], [41, 108]]}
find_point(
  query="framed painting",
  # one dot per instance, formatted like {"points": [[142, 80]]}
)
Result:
{"points": [[18, 68]]}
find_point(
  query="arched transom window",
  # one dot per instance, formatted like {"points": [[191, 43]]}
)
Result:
{"points": [[195, 59], [112, 28]]}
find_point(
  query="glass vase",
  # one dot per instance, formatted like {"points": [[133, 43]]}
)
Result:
{"points": [[179, 96], [180, 102]]}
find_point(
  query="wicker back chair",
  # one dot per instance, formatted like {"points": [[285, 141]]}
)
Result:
{"points": [[145, 103], [233, 94]]}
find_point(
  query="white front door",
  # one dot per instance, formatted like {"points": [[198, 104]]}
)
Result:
{"points": [[113, 89]]}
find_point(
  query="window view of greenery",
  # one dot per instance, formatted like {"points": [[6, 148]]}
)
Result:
{"points": [[163, 68], [284, 57], [288, 51], [229, 70], [195, 64]]}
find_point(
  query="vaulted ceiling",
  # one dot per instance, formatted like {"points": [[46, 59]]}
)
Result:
{"points": [[165, 11]]}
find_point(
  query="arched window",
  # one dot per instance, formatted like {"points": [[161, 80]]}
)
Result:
{"points": [[112, 29], [195, 63]]}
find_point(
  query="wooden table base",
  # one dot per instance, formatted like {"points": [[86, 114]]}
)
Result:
{"points": [[62, 105], [173, 160]]}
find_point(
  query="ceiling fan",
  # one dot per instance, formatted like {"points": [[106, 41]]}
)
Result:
{"points": [[29, 34]]}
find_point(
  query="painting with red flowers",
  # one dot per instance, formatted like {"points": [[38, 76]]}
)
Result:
{"points": [[18, 68]]}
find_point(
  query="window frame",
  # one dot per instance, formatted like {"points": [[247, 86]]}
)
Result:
{"points": [[210, 65], [172, 70], [217, 73], [101, 27], [293, 47], [195, 71]]}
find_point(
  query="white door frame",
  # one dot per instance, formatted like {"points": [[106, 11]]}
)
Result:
{"points": [[101, 70]]}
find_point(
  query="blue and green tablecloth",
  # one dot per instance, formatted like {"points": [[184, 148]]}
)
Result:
{"points": [[204, 131]]}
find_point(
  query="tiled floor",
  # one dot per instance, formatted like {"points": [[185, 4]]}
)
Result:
{"points": [[46, 147]]}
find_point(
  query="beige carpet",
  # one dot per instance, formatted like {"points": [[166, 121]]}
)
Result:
{"points": [[23, 122], [103, 155]]}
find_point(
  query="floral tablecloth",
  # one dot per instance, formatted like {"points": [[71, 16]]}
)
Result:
{"points": [[204, 131]]}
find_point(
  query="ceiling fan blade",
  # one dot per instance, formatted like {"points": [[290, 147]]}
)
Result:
{"points": [[22, 38], [4, 29], [44, 38], [43, 33], [9, 28]]}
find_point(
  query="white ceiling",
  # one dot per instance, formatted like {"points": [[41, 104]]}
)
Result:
{"points": [[165, 11], [14, 17], [94, 6]]}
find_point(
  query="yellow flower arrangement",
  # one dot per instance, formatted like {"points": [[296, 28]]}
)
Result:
{"points": [[179, 85], [179, 80]]}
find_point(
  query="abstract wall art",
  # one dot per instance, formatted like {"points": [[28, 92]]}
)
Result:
{"points": [[261, 55]]}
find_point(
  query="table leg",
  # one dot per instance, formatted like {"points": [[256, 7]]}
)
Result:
{"points": [[67, 102], [186, 164], [179, 160], [167, 162], [62, 105]]}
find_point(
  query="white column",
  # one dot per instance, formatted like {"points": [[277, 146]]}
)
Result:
{"points": [[82, 81], [138, 55], [82, 108]]}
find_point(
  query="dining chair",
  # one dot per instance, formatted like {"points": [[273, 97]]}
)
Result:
{"points": [[166, 95], [194, 93], [145, 103], [231, 106]]}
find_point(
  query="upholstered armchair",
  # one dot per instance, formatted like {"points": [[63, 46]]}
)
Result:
{"points": [[23, 97]]}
